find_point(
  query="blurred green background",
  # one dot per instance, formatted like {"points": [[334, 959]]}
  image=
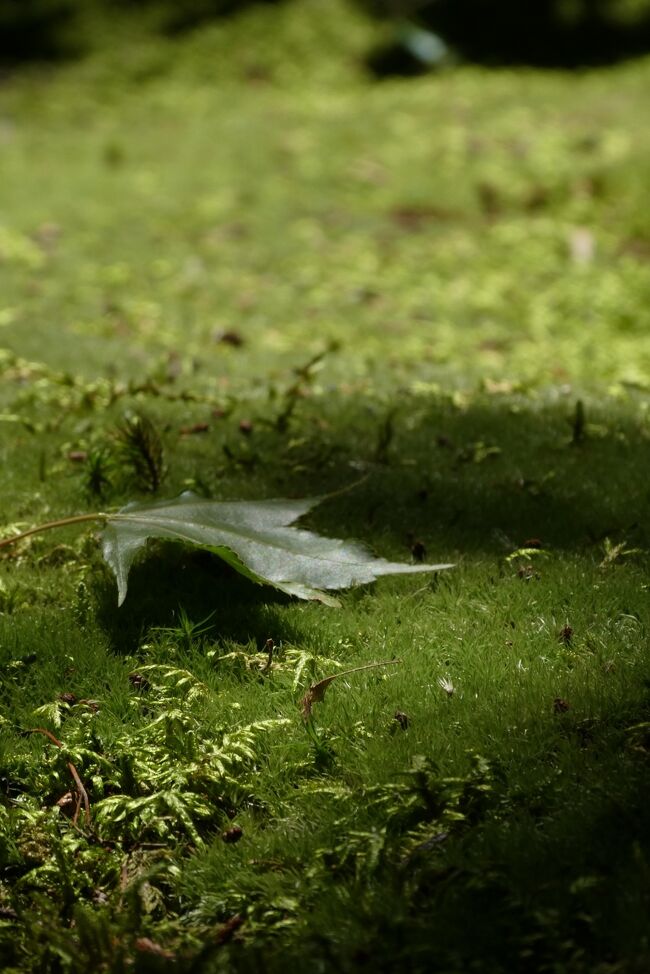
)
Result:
{"points": [[544, 32]]}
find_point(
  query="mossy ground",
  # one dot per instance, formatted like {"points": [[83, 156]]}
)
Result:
{"points": [[304, 279]]}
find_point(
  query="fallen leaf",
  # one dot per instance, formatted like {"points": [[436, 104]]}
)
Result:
{"points": [[254, 537]]}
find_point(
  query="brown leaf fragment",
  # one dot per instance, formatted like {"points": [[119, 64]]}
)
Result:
{"points": [[232, 835], [536, 199], [139, 682], [78, 456], [415, 218], [578, 424], [47, 236], [526, 571], [174, 366], [489, 199], [418, 550], [67, 804], [232, 338], [93, 705], [193, 430], [315, 694], [147, 946], [82, 794], [638, 247], [257, 74], [317, 691], [402, 719], [269, 647], [227, 931]]}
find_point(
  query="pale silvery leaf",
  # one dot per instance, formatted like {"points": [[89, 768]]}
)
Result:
{"points": [[255, 537]]}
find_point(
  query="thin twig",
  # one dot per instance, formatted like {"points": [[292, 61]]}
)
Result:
{"points": [[366, 666], [82, 794], [316, 692]]}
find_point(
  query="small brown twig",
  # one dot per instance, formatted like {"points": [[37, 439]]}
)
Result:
{"points": [[82, 794], [269, 647]]}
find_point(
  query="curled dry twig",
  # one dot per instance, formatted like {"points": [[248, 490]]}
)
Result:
{"points": [[82, 794], [316, 692]]}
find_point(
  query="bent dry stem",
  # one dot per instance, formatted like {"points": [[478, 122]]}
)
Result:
{"points": [[60, 523]]}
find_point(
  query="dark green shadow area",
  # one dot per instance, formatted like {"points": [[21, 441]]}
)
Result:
{"points": [[521, 844], [481, 477], [434, 479], [548, 872], [171, 579], [544, 33]]}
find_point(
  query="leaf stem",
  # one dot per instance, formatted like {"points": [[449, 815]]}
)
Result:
{"points": [[61, 523]]}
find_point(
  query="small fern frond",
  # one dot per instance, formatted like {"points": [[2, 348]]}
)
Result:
{"points": [[142, 448]]}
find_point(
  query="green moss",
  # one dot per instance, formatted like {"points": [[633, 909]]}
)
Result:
{"points": [[303, 280]]}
